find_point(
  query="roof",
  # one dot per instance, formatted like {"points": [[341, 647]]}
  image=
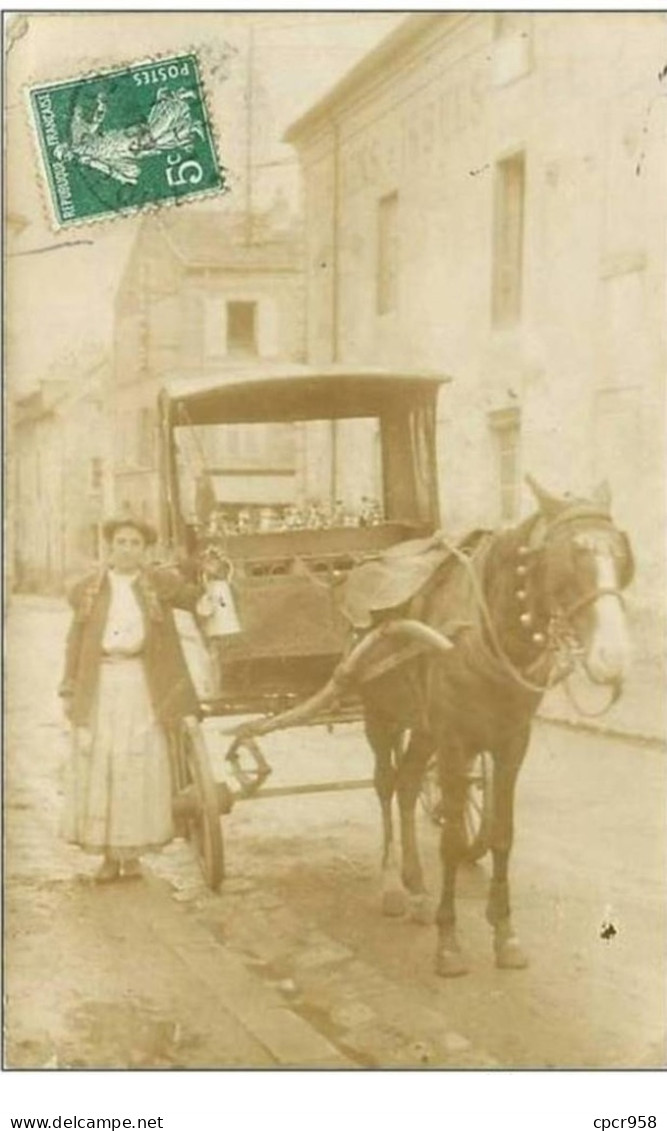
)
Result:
{"points": [[40, 401], [390, 49], [218, 239], [296, 392]]}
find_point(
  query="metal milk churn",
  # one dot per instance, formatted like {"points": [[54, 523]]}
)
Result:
{"points": [[223, 619]]}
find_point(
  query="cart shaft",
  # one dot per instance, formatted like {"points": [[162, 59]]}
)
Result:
{"points": [[314, 787]]}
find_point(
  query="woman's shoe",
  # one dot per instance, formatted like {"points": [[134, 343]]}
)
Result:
{"points": [[107, 872], [132, 869]]}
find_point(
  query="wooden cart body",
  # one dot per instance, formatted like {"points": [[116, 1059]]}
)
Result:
{"points": [[284, 580]]}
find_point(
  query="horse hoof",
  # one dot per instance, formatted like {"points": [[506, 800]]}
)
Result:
{"points": [[450, 964], [394, 903], [422, 910], [510, 956]]}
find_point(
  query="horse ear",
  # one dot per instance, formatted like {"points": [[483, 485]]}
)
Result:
{"points": [[602, 495], [550, 505]]}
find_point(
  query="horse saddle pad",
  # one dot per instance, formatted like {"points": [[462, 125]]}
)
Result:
{"points": [[391, 580]]}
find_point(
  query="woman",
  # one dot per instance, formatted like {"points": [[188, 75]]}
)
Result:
{"points": [[125, 684]]}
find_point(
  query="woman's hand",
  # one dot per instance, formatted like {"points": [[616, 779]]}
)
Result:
{"points": [[214, 565]]}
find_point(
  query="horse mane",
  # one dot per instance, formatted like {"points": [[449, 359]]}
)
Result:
{"points": [[502, 584]]}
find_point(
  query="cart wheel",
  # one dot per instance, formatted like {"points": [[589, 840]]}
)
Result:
{"points": [[203, 826], [478, 811]]}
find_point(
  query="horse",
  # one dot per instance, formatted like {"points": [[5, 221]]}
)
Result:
{"points": [[532, 603]]}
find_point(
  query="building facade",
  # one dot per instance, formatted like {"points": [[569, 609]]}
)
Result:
{"points": [[204, 293], [484, 193], [61, 487]]}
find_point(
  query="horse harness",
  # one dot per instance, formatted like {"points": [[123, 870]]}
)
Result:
{"points": [[562, 647]]}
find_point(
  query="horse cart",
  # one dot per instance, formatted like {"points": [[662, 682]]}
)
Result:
{"points": [[276, 484]]}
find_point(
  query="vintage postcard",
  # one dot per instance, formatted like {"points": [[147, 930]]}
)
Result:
{"points": [[335, 498]]}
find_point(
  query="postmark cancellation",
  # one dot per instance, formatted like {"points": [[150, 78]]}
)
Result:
{"points": [[124, 140]]}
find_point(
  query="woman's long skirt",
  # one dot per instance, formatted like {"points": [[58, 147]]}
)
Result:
{"points": [[118, 798]]}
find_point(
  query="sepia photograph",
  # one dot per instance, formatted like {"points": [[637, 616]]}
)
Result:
{"points": [[334, 527]]}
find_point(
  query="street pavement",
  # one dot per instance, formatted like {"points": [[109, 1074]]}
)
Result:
{"points": [[291, 965]]}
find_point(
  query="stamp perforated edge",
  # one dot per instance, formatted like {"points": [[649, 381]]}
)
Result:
{"points": [[149, 207]]}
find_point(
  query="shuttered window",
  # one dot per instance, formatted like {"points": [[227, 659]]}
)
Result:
{"points": [[508, 229]]}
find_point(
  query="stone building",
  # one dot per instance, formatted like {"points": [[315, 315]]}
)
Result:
{"points": [[204, 293], [61, 489], [485, 196]]}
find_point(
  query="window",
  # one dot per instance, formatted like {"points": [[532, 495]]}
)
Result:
{"points": [[237, 448], [387, 254], [508, 224], [242, 327], [512, 48], [506, 429]]}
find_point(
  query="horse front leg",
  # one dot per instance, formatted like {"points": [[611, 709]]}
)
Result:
{"points": [[450, 961], [382, 738], [508, 951], [410, 774]]}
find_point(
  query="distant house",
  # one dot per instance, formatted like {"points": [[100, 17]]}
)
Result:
{"points": [[204, 292], [60, 484]]}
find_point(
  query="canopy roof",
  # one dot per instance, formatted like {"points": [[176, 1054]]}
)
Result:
{"points": [[295, 392]]}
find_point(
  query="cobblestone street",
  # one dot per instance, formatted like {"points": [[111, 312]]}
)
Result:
{"points": [[292, 964]]}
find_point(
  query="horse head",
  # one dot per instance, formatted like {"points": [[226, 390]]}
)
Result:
{"points": [[577, 564]]}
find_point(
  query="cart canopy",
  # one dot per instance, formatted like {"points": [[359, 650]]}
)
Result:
{"points": [[296, 392], [399, 433]]}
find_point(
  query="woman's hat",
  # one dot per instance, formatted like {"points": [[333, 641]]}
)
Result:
{"points": [[148, 532]]}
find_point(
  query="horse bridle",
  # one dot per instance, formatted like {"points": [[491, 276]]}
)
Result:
{"points": [[562, 646], [562, 636], [591, 598]]}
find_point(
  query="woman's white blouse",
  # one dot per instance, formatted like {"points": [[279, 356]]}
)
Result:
{"points": [[124, 631]]}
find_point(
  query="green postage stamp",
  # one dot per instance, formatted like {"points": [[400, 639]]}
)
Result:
{"points": [[123, 140]]}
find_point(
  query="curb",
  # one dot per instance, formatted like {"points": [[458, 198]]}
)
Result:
{"points": [[288, 1039], [643, 738]]}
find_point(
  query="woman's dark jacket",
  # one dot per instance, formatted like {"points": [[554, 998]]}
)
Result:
{"points": [[170, 686]]}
